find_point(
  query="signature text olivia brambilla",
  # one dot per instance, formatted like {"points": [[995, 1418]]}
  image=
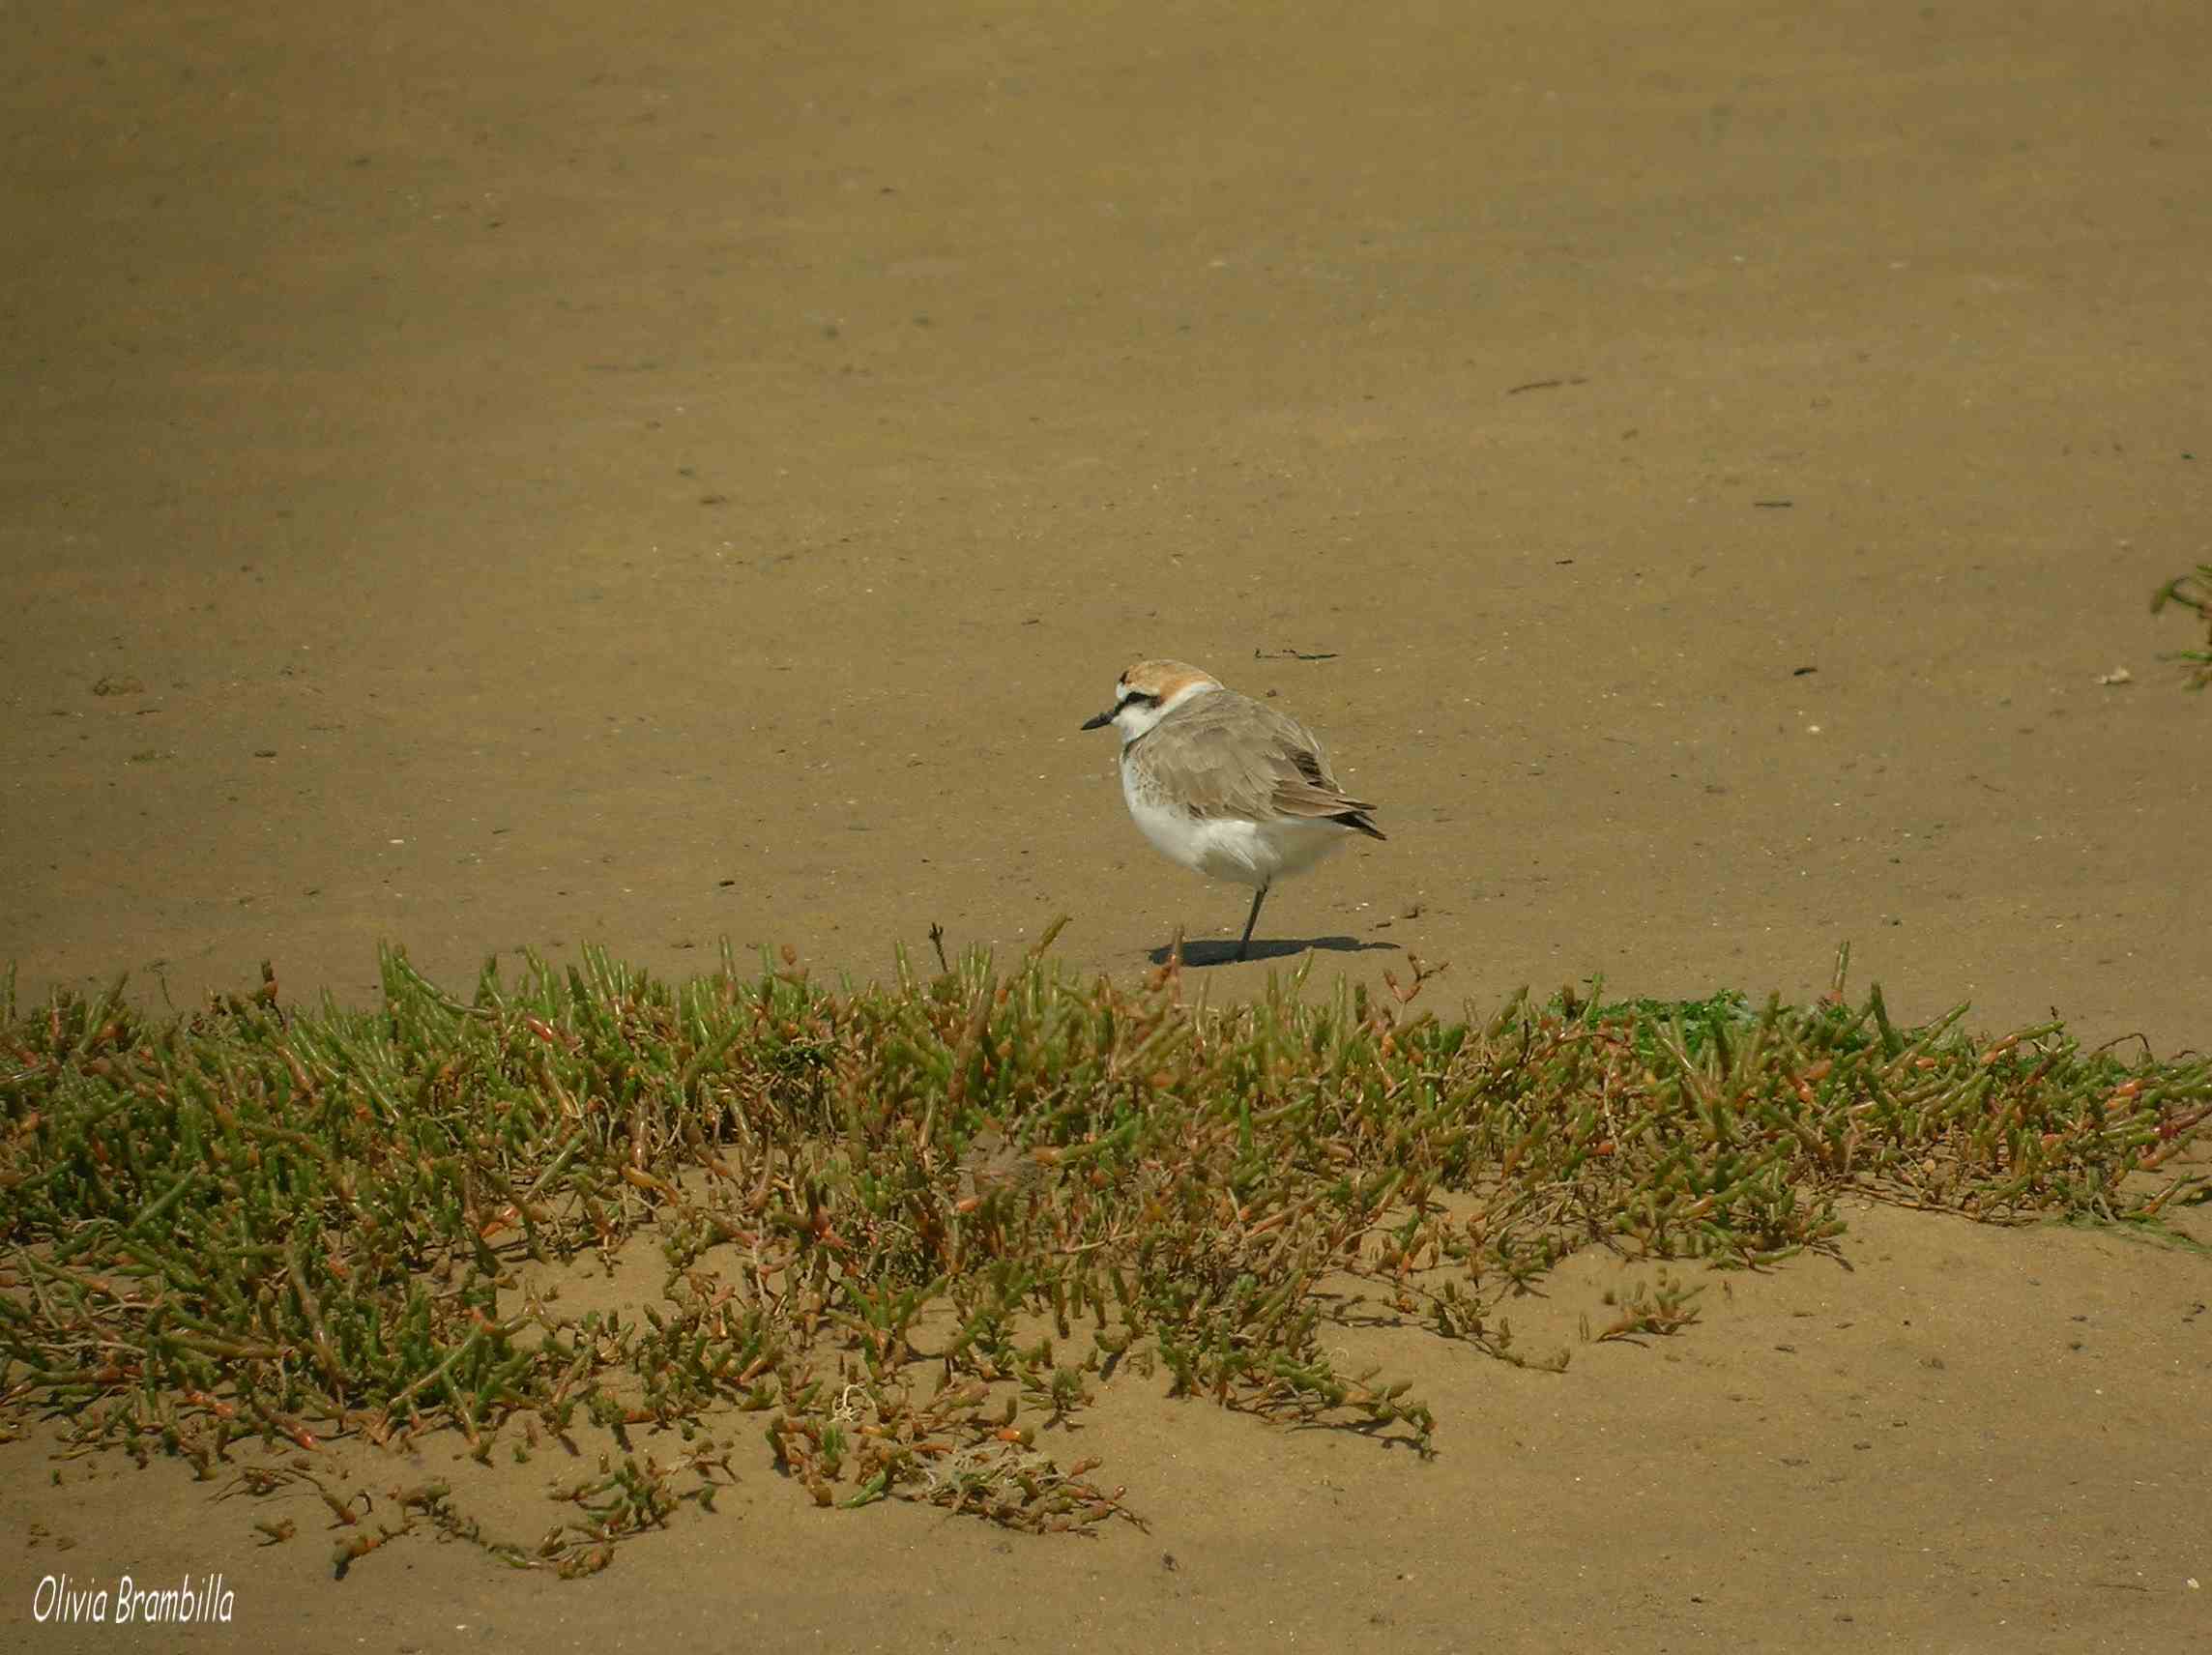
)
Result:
{"points": [[72, 1601]]}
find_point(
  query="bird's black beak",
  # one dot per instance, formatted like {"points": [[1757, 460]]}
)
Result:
{"points": [[1102, 721]]}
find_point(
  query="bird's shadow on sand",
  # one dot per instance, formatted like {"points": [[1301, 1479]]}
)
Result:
{"points": [[1224, 953]]}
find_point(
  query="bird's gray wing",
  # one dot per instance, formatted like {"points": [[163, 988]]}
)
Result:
{"points": [[1303, 786], [1232, 756]]}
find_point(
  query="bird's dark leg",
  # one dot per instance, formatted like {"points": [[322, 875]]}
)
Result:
{"points": [[1251, 920]]}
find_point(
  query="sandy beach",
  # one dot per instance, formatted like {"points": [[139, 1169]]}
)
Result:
{"points": [[498, 479]]}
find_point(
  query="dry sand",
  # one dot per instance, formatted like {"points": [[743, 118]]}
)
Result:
{"points": [[498, 476]]}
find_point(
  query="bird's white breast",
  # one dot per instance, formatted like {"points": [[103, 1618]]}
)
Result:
{"points": [[1227, 847]]}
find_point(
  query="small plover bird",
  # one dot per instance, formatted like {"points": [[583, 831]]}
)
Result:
{"points": [[1226, 784]]}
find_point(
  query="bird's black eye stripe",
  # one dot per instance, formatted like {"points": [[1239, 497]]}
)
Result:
{"points": [[1136, 698]]}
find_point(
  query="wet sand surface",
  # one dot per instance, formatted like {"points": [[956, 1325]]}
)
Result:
{"points": [[492, 479]]}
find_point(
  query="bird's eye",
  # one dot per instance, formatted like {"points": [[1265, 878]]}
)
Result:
{"points": [[1137, 698]]}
